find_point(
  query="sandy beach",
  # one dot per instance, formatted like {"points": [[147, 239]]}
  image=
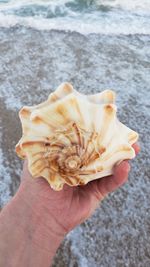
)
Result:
{"points": [[32, 64]]}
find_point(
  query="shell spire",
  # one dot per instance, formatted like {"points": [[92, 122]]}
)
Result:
{"points": [[74, 138]]}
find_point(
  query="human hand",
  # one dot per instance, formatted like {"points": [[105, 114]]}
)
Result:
{"points": [[72, 205], [35, 221]]}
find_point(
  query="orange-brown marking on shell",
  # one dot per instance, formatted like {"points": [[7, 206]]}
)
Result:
{"points": [[31, 143], [32, 165], [54, 97], [110, 95], [63, 111], [132, 137], [77, 133], [25, 112], [39, 169], [108, 117], [109, 109], [53, 165], [47, 144], [67, 180], [52, 156], [96, 155], [77, 149], [19, 151], [37, 120], [102, 150], [100, 169], [57, 145], [67, 88], [77, 180], [87, 145], [52, 176], [74, 104], [69, 134], [123, 148], [83, 142], [87, 172], [81, 182], [40, 154], [87, 157]]}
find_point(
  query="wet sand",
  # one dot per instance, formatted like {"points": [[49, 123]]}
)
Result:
{"points": [[32, 64]]}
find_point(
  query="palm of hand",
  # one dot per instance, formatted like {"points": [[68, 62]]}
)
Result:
{"points": [[72, 205], [69, 207]]}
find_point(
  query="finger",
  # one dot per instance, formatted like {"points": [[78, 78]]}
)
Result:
{"points": [[108, 184], [136, 148]]}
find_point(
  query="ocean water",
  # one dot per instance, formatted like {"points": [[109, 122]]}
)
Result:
{"points": [[84, 16]]}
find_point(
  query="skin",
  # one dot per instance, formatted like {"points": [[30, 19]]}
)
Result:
{"points": [[36, 220]]}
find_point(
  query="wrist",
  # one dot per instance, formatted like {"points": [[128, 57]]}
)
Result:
{"points": [[44, 231], [27, 232]]}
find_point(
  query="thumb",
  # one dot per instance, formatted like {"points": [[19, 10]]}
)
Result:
{"points": [[100, 188], [110, 183]]}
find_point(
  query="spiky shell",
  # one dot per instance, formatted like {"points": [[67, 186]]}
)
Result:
{"points": [[74, 138]]}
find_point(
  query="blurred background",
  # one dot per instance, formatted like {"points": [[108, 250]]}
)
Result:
{"points": [[95, 45]]}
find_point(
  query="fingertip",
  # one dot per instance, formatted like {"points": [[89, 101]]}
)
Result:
{"points": [[124, 166], [120, 176], [136, 147], [121, 172]]}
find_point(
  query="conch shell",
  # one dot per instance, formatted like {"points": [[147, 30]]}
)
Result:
{"points": [[74, 138]]}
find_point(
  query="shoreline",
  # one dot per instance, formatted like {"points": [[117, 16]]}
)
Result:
{"points": [[69, 31]]}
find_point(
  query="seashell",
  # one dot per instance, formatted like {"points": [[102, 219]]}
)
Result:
{"points": [[74, 138]]}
